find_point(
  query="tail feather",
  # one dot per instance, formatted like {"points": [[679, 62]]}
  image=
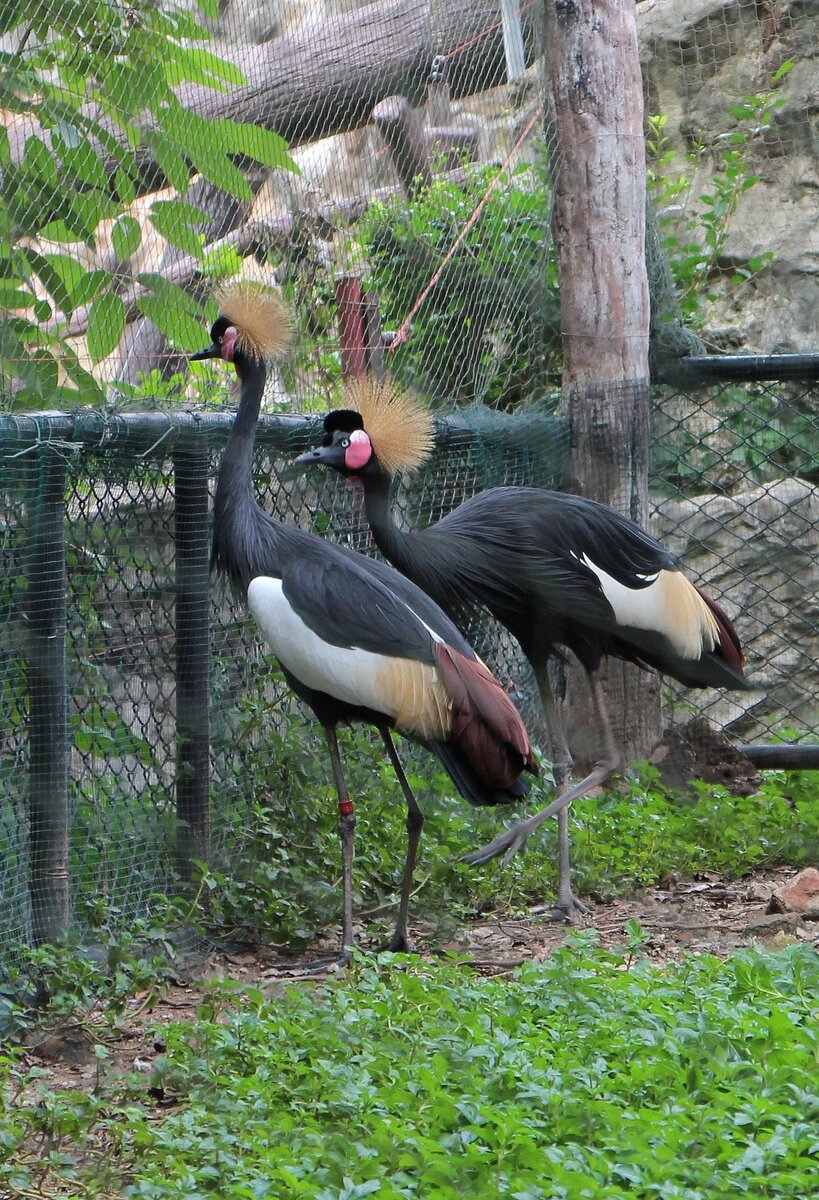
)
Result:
{"points": [[730, 647], [486, 726], [470, 786]]}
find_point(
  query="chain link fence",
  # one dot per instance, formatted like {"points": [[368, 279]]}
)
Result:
{"points": [[734, 485], [126, 687], [416, 236]]}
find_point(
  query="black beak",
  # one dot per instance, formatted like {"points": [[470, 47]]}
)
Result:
{"points": [[211, 352], [318, 455]]}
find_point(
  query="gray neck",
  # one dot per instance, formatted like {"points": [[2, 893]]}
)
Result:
{"points": [[245, 538], [395, 544]]}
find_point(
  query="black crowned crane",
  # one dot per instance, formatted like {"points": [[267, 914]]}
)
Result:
{"points": [[356, 641], [557, 570]]}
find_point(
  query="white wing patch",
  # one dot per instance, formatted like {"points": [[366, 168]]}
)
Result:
{"points": [[670, 605], [408, 691]]}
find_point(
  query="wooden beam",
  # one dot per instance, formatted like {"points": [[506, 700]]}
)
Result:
{"points": [[404, 137], [327, 78], [599, 177]]}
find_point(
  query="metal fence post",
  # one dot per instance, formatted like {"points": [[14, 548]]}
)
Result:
{"points": [[192, 657], [48, 701]]}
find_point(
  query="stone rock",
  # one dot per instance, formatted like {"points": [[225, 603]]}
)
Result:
{"points": [[700, 58], [800, 895], [771, 925], [755, 551], [697, 750]]}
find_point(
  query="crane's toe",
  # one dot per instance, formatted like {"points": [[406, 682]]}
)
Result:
{"points": [[398, 944], [507, 844], [567, 908]]}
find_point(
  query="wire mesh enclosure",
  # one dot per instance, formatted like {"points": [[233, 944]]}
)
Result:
{"points": [[124, 681], [126, 684], [424, 138], [149, 153], [734, 486]]}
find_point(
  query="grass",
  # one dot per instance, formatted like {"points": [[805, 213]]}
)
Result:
{"points": [[279, 886], [594, 1074], [590, 1075]]}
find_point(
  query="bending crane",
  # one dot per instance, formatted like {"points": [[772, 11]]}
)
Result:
{"points": [[557, 570]]}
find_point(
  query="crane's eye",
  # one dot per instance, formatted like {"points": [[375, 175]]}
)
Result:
{"points": [[345, 443]]}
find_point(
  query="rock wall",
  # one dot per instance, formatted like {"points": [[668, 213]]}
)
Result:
{"points": [[757, 550], [701, 58]]}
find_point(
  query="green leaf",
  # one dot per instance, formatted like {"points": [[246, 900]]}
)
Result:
{"points": [[12, 297], [174, 312], [169, 158], [51, 277], [83, 163], [195, 64], [209, 8], [106, 324], [180, 328], [69, 134], [124, 187], [11, 15], [71, 284], [262, 145], [126, 237], [88, 391], [208, 148], [222, 262], [136, 86], [175, 220], [38, 163]]}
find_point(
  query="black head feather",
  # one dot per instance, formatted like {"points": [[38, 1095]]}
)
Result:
{"points": [[219, 328], [346, 419]]}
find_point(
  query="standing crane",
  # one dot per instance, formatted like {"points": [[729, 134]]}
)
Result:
{"points": [[357, 642], [559, 571]]}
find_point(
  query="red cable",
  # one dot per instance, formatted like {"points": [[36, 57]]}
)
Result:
{"points": [[402, 334]]}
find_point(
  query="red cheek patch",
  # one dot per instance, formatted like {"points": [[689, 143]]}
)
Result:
{"points": [[228, 344], [359, 451]]}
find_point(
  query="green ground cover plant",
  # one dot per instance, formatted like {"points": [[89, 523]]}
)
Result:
{"points": [[592, 1074], [279, 887]]}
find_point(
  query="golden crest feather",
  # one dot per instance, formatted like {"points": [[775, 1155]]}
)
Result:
{"points": [[401, 430], [260, 316]]}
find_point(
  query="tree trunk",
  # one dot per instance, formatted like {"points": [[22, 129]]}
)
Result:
{"points": [[599, 232], [328, 77]]}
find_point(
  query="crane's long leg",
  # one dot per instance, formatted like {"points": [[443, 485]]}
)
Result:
{"points": [[415, 823], [346, 832], [613, 760], [515, 839], [567, 903]]}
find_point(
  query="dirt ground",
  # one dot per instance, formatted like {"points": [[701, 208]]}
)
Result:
{"points": [[702, 916]]}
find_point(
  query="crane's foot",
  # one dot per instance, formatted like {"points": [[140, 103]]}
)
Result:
{"points": [[399, 943], [507, 844], [567, 908]]}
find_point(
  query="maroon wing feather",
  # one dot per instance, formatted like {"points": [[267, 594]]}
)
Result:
{"points": [[486, 725], [730, 647]]}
